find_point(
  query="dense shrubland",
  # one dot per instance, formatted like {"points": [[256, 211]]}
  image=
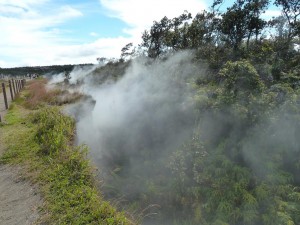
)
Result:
{"points": [[241, 164]]}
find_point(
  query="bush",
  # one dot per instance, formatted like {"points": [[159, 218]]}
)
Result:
{"points": [[240, 80], [54, 130]]}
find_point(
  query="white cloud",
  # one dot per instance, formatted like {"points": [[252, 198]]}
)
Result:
{"points": [[29, 36], [25, 4], [140, 14], [27, 31], [30, 33], [67, 54]]}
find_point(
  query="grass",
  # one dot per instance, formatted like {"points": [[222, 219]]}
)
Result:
{"points": [[41, 142], [38, 95]]}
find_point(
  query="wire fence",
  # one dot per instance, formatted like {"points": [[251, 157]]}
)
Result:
{"points": [[9, 91]]}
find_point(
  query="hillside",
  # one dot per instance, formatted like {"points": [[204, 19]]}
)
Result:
{"points": [[202, 126]]}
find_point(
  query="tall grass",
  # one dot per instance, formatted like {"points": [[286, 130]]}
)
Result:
{"points": [[37, 94]]}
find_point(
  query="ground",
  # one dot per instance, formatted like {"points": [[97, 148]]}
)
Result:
{"points": [[19, 200]]}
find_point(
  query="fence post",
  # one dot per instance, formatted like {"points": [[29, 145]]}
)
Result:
{"points": [[18, 82], [4, 95], [17, 89], [11, 92], [14, 87]]}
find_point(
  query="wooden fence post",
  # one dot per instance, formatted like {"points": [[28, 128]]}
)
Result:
{"points": [[14, 87], [17, 89], [11, 91], [18, 86], [4, 95]]}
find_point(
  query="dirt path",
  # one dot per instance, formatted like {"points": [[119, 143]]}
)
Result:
{"points": [[19, 200]]}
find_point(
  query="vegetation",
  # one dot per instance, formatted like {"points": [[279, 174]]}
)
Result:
{"points": [[246, 169], [42, 142], [241, 164]]}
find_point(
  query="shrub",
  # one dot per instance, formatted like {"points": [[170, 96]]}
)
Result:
{"points": [[54, 130], [240, 79]]}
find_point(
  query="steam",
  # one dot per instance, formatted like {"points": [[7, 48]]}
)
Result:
{"points": [[150, 110], [133, 125], [76, 75]]}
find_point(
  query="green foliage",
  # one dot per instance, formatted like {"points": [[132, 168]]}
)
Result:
{"points": [[242, 164], [54, 130], [241, 79]]}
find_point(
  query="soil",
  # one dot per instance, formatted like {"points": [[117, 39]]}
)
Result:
{"points": [[19, 200]]}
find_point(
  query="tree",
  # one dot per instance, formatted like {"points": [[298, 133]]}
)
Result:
{"points": [[291, 11], [177, 37], [240, 80], [67, 77], [125, 51], [102, 60], [202, 30], [154, 41], [166, 35], [242, 20], [254, 9]]}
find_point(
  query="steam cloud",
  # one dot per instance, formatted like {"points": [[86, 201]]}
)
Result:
{"points": [[148, 101], [149, 110], [137, 122]]}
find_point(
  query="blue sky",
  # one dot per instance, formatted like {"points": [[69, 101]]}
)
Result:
{"points": [[51, 32]]}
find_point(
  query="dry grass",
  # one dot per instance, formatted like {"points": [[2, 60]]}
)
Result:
{"points": [[65, 97], [37, 94]]}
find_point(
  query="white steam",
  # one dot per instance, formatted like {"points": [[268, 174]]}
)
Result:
{"points": [[152, 101]]}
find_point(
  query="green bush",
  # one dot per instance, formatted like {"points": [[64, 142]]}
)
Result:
{"points": [[55, 130], [240, 80]]}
